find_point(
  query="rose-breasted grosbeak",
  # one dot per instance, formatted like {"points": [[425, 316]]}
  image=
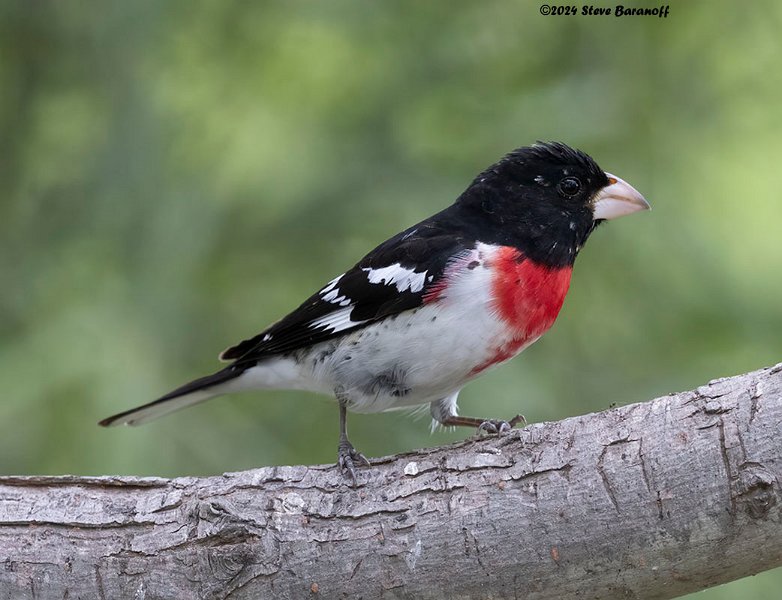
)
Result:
{"points": [[437, 304]]}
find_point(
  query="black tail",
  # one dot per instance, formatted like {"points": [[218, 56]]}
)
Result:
{"points": [[191, 393]]}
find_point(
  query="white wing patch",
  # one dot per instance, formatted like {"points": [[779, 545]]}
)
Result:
{"points": [[331, 293], [335, 298], [396, 274], [330, 285], [339, 320]]}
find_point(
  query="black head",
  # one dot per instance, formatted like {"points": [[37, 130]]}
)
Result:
{"points": [[545, 200]]}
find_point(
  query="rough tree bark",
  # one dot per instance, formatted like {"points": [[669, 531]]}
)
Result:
{"points": [[649, 500]]}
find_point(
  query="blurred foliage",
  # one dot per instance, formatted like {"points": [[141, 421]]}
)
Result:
{"points": [[176, 175]]}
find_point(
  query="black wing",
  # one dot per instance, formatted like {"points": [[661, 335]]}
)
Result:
{"points": [[395, 277]]}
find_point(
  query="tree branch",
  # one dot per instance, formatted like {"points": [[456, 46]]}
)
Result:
{"points": [[650, 500]]}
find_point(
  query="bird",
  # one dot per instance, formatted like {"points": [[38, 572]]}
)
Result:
{"points": [[434, 306]]}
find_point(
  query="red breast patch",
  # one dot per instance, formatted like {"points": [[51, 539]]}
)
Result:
{"points": [[527, 296]]}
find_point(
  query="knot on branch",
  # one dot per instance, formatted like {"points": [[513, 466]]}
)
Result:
{"points": [[756, 490]]}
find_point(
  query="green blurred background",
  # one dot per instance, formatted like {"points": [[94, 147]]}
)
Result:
{"points": [[174, 176]]}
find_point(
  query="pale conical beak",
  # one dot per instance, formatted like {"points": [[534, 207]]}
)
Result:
{"points": [[618, 199]]}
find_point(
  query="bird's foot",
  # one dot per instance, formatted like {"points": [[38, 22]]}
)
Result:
{"points": [[498, 427], [347, 459]]}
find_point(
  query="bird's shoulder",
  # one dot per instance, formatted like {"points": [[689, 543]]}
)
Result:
{"points": [[394, 277]]}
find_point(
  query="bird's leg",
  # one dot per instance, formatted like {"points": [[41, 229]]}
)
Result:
{"points": [[495, 426], [346, 453]]}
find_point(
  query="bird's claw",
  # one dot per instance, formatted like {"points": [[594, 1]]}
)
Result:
{"points": [[347, 456], [499, 427]]}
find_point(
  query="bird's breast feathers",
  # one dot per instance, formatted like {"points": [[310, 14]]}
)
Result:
{"points": [[513, 299]]}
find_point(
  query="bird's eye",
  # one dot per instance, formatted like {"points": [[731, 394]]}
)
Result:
{"points": [[569, 186]]}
